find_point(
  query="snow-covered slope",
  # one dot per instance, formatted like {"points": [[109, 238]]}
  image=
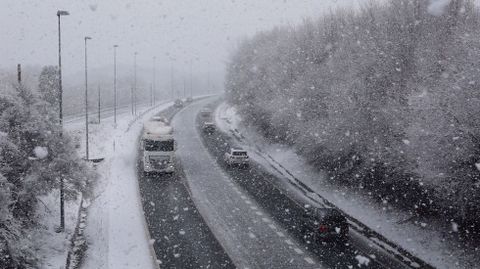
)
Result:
{"points": [[425, 239]]}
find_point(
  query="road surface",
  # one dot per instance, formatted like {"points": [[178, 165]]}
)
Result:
{"points": [[181, 237], [249, 234]]}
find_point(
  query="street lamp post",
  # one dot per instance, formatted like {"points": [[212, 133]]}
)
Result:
{"points": [[115, 85], [154, 79], [86, 100], [171, 81], [99, 104], [135, 82], [184, 87], [60, 116], [131, 97], [151, 94], [191, 80]]}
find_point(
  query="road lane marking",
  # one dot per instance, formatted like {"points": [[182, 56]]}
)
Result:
{"points": [[298, 251], [266, 220], [272, 226], [251, 235], [243, 197], [289, 242], [248, 202], [259, 213], [280, 234], [309, 260]]}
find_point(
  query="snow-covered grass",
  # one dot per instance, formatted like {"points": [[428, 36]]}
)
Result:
{"points": [[51, 247], [426, 239], [116, 231]]}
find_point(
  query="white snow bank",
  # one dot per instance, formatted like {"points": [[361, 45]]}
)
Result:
{"points": [[52, 247]]}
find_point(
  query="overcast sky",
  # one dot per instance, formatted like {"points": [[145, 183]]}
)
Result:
{"points": [[205, 30]]}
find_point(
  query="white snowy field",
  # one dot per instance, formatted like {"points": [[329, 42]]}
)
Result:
{"points": [[116, 231], [51, 247], [425, 239]]}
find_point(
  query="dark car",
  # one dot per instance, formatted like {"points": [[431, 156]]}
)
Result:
{"points": [[324, 224], [206, 113], [209, 127], [178, 103]]}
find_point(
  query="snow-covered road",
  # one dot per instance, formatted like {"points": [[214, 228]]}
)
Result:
{"points": [[248, 234], [426, 241]]}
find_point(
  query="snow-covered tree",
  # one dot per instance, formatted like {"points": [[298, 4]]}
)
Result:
{"points": [[34, 155], [48, 86], [385, 98]]}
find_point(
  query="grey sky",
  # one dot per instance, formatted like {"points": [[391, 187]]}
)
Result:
{"points": [[202, 29]]}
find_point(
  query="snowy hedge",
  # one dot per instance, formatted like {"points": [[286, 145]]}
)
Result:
{"points": [[33, 157], [385, 98]]}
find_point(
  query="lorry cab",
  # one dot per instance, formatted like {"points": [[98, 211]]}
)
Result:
{"points": [[158, 147]]}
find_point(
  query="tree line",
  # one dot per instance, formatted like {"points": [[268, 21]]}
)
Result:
{"points": [[34, 155], [385, 98]]}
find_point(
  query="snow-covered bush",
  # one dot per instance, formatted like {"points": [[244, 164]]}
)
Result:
{"points": [[385, 98], [34, 155]]}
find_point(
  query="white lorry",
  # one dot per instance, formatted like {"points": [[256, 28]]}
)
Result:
{"points": [[158, 147], [236, 156]]}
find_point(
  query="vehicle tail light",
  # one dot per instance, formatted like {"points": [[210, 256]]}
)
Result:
{"points": [[323, 228]]}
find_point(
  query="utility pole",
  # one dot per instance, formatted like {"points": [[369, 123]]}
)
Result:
{"points": [[98, 104], [60, 13]]}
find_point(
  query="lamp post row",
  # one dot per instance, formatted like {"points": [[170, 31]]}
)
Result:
{"points": [[61, 13]]}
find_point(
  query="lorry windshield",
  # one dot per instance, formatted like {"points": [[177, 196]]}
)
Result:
{"points": [[153, 145]]}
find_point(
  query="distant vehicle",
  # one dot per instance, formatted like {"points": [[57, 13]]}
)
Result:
{"points": [[236, 156], [206, 113], [178, 103], [325, 224], [158, 147], [160, 119], [209, 127], [189, 99]]}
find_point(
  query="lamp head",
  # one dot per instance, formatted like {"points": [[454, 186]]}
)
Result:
{"points": [[62, 13]]}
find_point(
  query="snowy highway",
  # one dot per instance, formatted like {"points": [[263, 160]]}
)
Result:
{"points": [[248, 234], [210, 215], [240, 134], [181, 239]]}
